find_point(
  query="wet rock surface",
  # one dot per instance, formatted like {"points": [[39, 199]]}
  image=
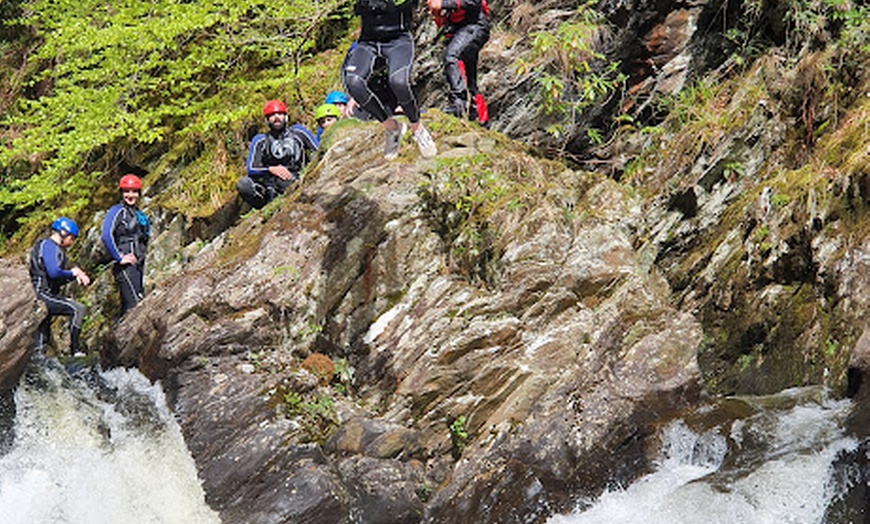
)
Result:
{"points": [[572, 345]]}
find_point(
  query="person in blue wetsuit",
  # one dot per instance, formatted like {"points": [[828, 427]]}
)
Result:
{"points": [[385, 35], [125, 234], [275, 158], [48, 273]]}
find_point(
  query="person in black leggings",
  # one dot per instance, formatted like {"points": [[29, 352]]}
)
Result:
{"points": [[48, 262], [465, 25], [386, 34]]}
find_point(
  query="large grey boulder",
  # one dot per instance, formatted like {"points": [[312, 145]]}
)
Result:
{"points": [[503, 351]]}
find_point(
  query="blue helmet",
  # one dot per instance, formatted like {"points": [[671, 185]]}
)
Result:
{"points": [[65, 225], [336, 97]]}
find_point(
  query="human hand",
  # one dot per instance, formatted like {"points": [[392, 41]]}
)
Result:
{"points": [[128, 259], [434, 6], [351, 107], [281, 172], [81, 277]]}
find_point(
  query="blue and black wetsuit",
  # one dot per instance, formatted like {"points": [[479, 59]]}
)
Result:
{"points": [[48, 273], [127, 230], [291, 147], [385, 35]]}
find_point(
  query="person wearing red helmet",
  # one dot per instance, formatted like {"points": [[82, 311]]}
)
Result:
{"points": [[125, 234], [48, 273], [275, 158]]}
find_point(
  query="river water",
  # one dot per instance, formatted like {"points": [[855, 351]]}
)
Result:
{"points": [[103, 448], [99, 449], [774, 466]]}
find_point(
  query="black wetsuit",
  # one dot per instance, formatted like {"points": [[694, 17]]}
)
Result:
{"points": [[465, 24], [127, 230], [48, 273], [378, 83], [385, 34], [291, 147]]}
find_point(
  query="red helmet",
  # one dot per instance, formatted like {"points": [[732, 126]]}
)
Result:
{"points": [[274, 106], [130, 182]]}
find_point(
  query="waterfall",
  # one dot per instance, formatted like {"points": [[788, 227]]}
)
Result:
{"points": [[774, 466], [100, 448]]}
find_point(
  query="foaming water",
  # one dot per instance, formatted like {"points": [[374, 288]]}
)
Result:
{"points": [[773, 467], [107, 453]]}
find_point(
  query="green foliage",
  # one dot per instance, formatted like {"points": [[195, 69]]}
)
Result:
{"points": [[571, 74], [316, 414], [761, 233], [345, 373], [745, 361], [807, 23], [780, 200], [465, 193], [458, 436], [831, 347], [110, 79], [812, 21]]}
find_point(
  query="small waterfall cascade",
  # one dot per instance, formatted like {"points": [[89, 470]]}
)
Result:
{"points": [[96, 448], [773, 464]]}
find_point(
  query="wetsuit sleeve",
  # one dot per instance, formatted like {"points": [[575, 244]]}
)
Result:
{"points": [[107, 233], [254, 166], [309, 141], [51, 259]]}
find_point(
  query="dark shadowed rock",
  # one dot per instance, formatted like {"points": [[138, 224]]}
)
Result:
{"points": [[19, 315]]}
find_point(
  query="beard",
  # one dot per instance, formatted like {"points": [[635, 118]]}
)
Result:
{"points": [[277, 127]]}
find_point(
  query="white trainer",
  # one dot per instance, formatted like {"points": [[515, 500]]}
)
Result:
{"points": [[425, 143]]}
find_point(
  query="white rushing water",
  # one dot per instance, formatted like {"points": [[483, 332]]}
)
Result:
{"points": [[110, 453], [773, 467]]}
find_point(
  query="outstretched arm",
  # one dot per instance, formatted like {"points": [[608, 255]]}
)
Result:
{"points": [[51, 259]]}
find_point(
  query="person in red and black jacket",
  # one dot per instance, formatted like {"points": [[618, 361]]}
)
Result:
{"points": [[465, 24]]}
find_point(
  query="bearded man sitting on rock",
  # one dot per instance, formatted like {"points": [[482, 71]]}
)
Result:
{"points": [[276, 158]]}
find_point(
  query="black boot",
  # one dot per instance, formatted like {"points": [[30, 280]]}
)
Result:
{"points": [[458, 107], [74, 344], [472, 113]]}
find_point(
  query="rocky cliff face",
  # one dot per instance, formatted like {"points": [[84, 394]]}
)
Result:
{"points": [[477, 379], [482, 334], [660, 47]]}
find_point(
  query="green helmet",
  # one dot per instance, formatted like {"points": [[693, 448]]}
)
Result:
{"points": [[325, 110]]}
